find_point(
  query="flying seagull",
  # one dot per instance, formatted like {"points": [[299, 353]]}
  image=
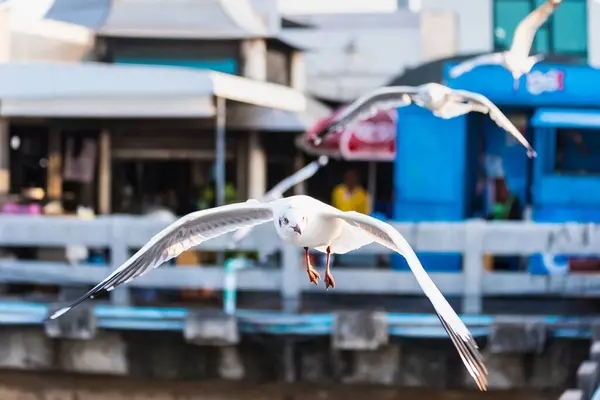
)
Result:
{"points": [[279, 189], [517, 59], [301, 221], [443, 102]]}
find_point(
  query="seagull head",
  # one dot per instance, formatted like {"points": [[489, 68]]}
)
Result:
{"points": [[291, 222]]}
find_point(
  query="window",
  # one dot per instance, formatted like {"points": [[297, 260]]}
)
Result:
{"points": [[577, 151], [565, 33]]}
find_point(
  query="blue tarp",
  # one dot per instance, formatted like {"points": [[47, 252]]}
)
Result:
{"points": [[566, 118]]}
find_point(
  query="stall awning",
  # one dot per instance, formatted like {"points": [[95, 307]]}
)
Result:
{"points": [[80, 90], [566, 118], [371, 139]]}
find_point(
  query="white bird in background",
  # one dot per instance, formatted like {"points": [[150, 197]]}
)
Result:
{"points": [[301, 221], [279, 189], [517, 59], [441, 100]]}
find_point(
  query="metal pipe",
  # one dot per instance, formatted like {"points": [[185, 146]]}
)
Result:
{"points": [[220, 151]]}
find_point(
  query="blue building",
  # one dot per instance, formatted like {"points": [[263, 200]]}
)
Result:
{"points": [[439, 163]]}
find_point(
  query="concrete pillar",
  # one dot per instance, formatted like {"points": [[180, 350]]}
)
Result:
{"points": [[257, 166], [54, 172], [4, 33], [4, 158], [254, 59], [105, 354], [254, 66], [297, 71], [25, 349], [104, 173], [593, 24]]}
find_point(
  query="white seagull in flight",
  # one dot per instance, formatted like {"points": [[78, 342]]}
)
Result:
{"points": [[441, 100], [517, 59], [278, 190], [301, 221]]}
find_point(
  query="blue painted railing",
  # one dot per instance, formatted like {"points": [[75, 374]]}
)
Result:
{"points": [[280, 323]]}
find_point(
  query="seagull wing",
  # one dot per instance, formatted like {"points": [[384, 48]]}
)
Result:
{"points": [[389, 237], [277, 193], [527, 28], [380, 99], [496, 115], [468, 65], [299, 176], [183, 234]]}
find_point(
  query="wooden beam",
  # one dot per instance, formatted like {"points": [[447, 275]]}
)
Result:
{"points": [[104, 173], [54, 181]]}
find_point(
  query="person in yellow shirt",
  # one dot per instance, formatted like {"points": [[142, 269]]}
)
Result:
{"points": [[350, 195]]}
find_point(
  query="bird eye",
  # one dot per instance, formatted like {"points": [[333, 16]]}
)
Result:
{"points": [[285, 220]]}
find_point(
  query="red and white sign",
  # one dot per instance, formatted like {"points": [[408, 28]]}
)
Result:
{"points": [[373, 139], [545, 82]]}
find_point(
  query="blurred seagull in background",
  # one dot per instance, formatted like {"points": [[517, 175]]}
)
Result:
{"points": [[279, 189], [517, 59], [441, 100], [304, 222]]}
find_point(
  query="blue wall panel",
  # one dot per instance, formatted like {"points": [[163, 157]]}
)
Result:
{"points": [[430, 176], [429, 170]]}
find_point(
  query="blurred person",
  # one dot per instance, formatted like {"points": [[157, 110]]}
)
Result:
{"points": [[208, 192], [505, 206], [350, 195]]}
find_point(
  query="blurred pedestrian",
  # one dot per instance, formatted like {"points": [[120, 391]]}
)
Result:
{"points": [[350, 195]]}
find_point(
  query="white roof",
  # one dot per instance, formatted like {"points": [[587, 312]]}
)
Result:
{"points": [[245, 116], [207, 19], [47, 89]]}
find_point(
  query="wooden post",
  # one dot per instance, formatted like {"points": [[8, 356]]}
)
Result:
{"points": [[4, 158], [299, 161], [242, 167], [54, 173], [104, 173]]}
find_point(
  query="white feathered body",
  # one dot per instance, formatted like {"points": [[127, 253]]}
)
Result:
{"points": [[320, 232], [432, 96]]}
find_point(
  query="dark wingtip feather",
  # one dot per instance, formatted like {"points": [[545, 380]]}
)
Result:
{"points": [[470, 355], [317, 139]]}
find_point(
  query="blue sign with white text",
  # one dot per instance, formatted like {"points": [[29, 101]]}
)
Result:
{"points": [[546, 85]]}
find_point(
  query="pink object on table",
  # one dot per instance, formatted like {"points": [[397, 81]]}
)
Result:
{"points": [[14, 208]]}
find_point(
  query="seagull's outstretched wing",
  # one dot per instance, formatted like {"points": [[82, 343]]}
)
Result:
{"points": [[279, 189], [389, 237], [468, 65], [299, 176], [365, 106], [496, 115], [183, 234], [527, 28]]}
